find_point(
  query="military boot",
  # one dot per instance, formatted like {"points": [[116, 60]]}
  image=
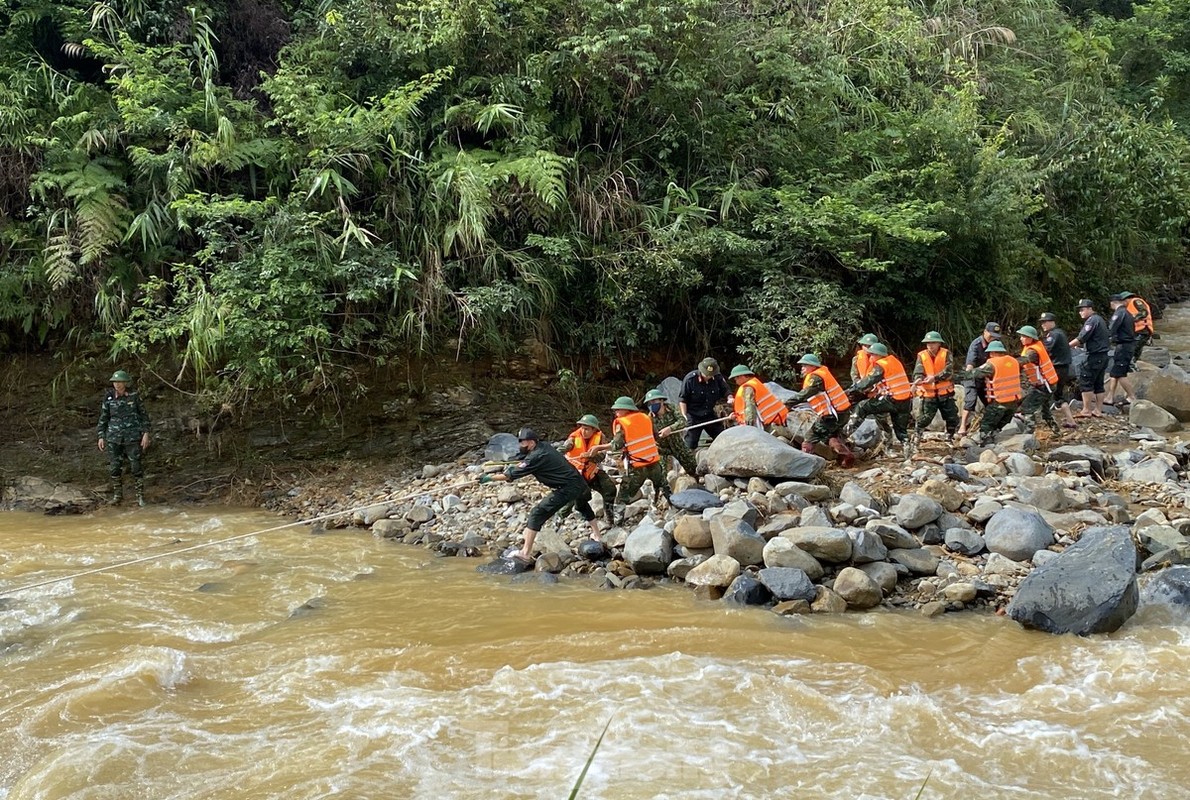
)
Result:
{"points": [[140, 494], [117, 495]]}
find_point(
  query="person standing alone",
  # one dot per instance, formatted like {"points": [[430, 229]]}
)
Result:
{"points": [[123, 433]]}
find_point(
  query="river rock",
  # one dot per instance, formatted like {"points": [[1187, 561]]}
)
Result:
{"points": [[781, 552], [915, 510], [505, 566], [1156, 538], [997, 564], [591, 550], [718, 570], [787, 583], [1019, 443], [947, 494], [825, 544], [918, 560], [894, 536], [736, 538], [857, 495], [1082, 452], [1147, 414], [984, 509], [857, 588], [1017, 534], [679, 568], [694, 500], [884, 574], [959, 592], [692, 531], [551, 540], [966, 541], [746, 590], [745, 452], [867, 435], [742, 509], [866, 546], [715, 483], [552, 562], [1169, 587], [1047, 493], [1089, 588], [390, 528], [649, 549], [815, 517], [1019, 464], [811, 492], [374, 513], [956, 472], [1166, 388], [1151, 470], [827, 602], [509, 494], [779, 524], [420, 514]]}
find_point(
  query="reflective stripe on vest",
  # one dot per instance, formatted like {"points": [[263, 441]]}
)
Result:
{"points": [[579, 449], [1043, 371], [1145, 324], [1005, 383], [932, 365], [768, 408], [896, 382], [639, 444], [832, 400]]}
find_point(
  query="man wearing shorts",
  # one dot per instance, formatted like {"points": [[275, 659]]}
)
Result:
{"points": [[1094, 337], [1121, 330]]}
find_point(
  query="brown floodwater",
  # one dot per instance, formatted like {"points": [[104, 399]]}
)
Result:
{"points": [[202, 676]]}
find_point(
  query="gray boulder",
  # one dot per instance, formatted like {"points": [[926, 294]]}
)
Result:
{"points": [[1082, 452], [742, 509], [867, 435], [781, 552], [857, 495], [984, 509], [1017, 534], [1170, 587], [747, 591], [915, 510], [956, 472], [718, 570], [695, 500], [894, 536], [649, 549], [816, 517], [883, 573], [964, 540], [505, 566], [1089, 588], [866, 546], [30, 493], [736, 538], [1045, 492], [679, 568], [1147, 414], [811, 492], [858, 588], [825, 544], [919, 561], [1019, 464], [1151, 470], [745, 452], [1166, 387], [787, 583]]}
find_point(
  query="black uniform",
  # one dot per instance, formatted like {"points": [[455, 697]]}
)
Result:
{"points": [[1095, 338], [1058, 346], [977, 356], [553, 470], [700, 398], [1121, 331]]}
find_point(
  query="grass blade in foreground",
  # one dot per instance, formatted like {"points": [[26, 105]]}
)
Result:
{"points": [[582, 775]]}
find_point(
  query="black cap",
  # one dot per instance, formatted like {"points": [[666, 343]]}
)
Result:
{"points": [[993, 328], [1117, 298], [1047, 317], [527, 433], [1085, 303]]}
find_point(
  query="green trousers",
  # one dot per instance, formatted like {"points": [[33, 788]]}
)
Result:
{"points": [[635, 478], [899, 411], [932, 406], [828, 427], [995, 416], [1039, 401], [675, 446]]}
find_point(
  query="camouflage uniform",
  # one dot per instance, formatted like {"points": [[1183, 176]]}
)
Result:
{"points": [[932, 406], [601, 483], [995, 415], [122, 422], [1038, 399], [673, 445], [635, 477], [825, 427], [899, 411]]}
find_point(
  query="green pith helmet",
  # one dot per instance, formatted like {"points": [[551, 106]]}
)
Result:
{"points": [[868, 339], [1028, 330], [624, 403], [589, 419], [879, 350], [810, 360], [656, 394], [933, 336], [120, 376], [996, 347], [739, 370], [1126, 295]]}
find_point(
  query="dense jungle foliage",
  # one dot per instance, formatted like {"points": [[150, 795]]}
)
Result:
{"points": [[258, 193]]}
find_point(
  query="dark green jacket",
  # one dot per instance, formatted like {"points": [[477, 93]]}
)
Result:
{"points": [[122, 419]]}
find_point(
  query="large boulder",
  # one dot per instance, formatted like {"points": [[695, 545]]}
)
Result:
{"points": [[966, 541], [1169, 587], [866, 546], [857, 588], [649, 549], [867, 435], [1088, 588], [787, 583], [915, 510], [1045, 492], [747, 591], [781, 552], [1017, 534], [29, 493], [1147, 414], [918, 560], [718, 570], [694, 500], [693, 531], [1151, 470], [736, 538], [1166, 387], [825, 544], [745, 452]]}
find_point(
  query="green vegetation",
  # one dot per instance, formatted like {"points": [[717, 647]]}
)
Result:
{"points": [[257, 193]]}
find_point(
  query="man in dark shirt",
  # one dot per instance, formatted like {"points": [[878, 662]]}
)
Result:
{"points": [[1095, 338], [1121, 330], [974, 389], [1058, 346], [551, 468], [702, 390]]}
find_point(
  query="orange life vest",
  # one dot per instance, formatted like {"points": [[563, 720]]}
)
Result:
{"points": [[932, 366], [1043, 371], [639, 443], [579, 447], [830, 401], [768, 407], [895, 383], [863, 362], [1005, 383], [1145, 324]]}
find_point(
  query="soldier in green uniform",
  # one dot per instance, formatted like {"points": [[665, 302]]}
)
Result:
{"points": [[894, 398], [551, 468], [666, 424], [1003, 374], [123, 433], [933, 375], [634, 438], [577, 449]]}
